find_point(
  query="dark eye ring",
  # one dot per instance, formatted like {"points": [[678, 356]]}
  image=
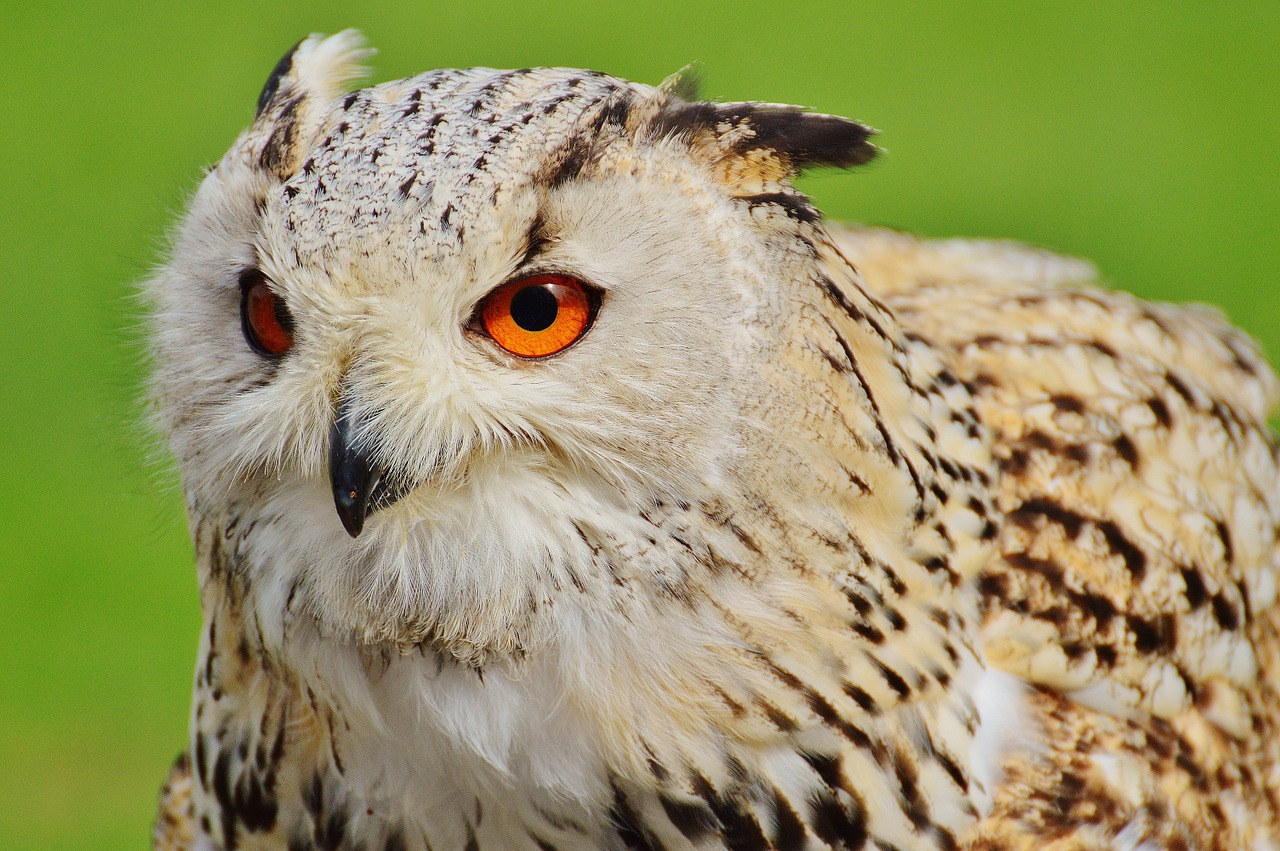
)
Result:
{"points": [[264, 316]]}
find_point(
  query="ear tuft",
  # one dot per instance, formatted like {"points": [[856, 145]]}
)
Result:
{"points": [[684, 84], [304, 81], [318, 66], [798, 139], [809, 139]]}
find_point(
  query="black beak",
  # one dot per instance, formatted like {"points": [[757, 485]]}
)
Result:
{"points": [[360, 484]]}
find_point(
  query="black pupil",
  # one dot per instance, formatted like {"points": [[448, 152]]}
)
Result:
{"points": [[283, 318], [534, 308]]}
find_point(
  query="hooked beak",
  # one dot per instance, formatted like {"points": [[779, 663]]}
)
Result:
{"points": [[361, 484]]}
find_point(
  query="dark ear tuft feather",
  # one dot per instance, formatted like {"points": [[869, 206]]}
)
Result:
{"points": [[801, 139], [273, 79], [810, 139]]}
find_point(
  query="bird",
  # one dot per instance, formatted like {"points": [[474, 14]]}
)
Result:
{"points": [[560, 478]]}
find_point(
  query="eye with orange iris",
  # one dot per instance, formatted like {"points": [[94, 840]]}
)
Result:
{"points": [[264, 317], [538, 316]]}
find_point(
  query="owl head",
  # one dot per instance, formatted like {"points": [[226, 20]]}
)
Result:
{"points": [[434, 354]]}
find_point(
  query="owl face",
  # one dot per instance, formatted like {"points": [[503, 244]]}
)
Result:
{"points": [[421, 336]]}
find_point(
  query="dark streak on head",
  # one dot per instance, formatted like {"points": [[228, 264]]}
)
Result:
{"points": [[793, 205], [273, 80], [572, 159], [581, 149], [277, 152], [615, 110], [685, 120], [535, 241], [554, 104]]}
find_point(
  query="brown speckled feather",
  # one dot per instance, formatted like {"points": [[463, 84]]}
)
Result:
{"points": [[174, 828], [1137, 579]]}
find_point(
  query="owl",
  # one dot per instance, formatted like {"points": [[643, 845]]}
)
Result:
{"points": [[559, 479]]}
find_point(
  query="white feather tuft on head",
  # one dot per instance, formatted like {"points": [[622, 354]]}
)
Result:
{"points": [[328, 65]]}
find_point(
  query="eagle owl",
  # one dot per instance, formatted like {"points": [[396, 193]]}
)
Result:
{"points": [[559, 480]]}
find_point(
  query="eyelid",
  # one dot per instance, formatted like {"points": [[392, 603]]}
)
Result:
{"points": [[597, 292]]}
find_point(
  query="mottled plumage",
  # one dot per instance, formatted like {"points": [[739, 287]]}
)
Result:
{"points": [[817, 538]]}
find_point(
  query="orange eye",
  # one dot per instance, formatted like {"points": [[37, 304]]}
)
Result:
{"points": [[538, 316], [264, 317]]}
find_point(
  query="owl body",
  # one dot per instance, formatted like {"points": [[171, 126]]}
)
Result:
{"points": [[806, 538]]}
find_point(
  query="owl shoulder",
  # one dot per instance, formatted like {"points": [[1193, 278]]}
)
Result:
{"points": [[1136, 575]]}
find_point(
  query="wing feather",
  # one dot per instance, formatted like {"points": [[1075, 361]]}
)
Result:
{"points": [[1136, 582]]}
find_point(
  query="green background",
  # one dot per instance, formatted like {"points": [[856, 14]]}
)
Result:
{"points": [[1142, 135]]}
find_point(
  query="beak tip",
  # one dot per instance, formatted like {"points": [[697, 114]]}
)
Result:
{"points": [[351, 511], [359, 482]]}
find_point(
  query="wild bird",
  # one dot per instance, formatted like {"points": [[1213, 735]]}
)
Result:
{"points": [[558, 479]]}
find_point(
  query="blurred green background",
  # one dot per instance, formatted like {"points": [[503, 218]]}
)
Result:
{"points": [[1142, 135]]}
